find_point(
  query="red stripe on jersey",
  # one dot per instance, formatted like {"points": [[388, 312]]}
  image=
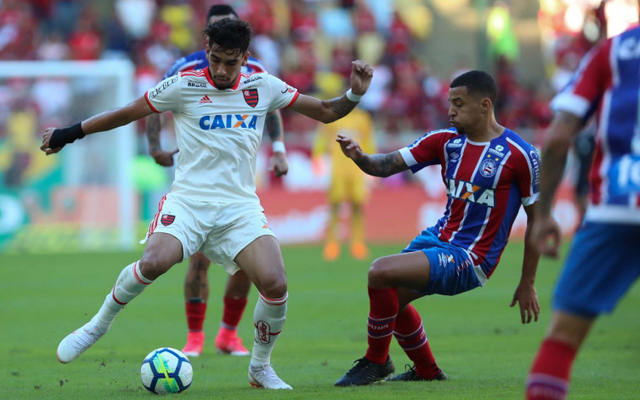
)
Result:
{"points": [[146, 97], [154, 222], [295, 97]]}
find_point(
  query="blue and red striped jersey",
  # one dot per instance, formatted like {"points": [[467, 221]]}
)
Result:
{"points": [[486, 184], [607, 83], [198, 60]]}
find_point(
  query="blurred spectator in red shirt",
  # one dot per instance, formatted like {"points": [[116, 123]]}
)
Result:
{"points": [[17, 30], [86, 42]]}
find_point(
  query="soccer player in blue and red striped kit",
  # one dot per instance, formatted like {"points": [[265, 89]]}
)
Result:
{"points": [[489, 172], [603, 262]]}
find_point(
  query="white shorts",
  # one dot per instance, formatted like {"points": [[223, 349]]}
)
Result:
{"points": [[219, 230]]}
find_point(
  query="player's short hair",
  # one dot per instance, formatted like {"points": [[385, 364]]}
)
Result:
{"points": [[478, 83], [229, 34], [221, 9]]}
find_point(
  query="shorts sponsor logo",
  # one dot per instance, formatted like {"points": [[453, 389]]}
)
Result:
{"points": [[263, 331], [444, 260], [167, 219]]}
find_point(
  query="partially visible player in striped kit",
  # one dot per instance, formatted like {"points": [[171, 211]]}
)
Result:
{"points": [[196, 283], [604, 260], [489, 172]]}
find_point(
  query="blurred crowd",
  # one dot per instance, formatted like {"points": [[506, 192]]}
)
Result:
{"points": [[309, 44]]}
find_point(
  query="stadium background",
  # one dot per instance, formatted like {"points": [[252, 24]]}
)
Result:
{"points": [[416, 46]]}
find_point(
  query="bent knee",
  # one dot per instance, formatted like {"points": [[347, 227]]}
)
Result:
{"points": [[274, 288], [152, 266], [379, 274]]}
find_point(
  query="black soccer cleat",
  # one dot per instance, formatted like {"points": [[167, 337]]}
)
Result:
{"points": [[366, 372], [412, 375]]}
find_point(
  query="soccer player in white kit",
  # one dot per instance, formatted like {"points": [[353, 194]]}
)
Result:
{"points": [[219, 115]]}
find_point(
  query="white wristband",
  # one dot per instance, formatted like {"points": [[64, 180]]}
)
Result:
{"points": [[353, 97], [278, 147]]}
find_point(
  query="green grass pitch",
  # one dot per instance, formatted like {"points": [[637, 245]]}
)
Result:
{"points": [[477, 339]]}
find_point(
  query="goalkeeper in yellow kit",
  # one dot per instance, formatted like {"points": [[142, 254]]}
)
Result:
{"points": [[347, 180]]}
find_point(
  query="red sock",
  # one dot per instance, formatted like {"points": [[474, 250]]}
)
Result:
{"points": [[383, 308], [232, 313], [551, 370], [195, 315], [411, 337]]}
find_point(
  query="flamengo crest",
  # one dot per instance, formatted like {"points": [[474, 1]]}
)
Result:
{"points": [[167, 219], [251, 97]]}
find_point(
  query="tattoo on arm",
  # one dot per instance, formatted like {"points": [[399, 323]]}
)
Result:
{"points": [[382, 165], [342, 106], [153, 133], [273, 124]]}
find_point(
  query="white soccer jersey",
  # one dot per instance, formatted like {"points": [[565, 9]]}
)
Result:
{"points": [[218, 132]]}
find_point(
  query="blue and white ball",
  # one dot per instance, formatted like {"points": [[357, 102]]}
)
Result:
{"points": [[166, 370]]}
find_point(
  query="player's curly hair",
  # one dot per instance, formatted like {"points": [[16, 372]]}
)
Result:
{"points": [[478, 83], [229, 34]]}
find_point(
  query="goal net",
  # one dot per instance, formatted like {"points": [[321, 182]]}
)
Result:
{"points": [[81, 199]]}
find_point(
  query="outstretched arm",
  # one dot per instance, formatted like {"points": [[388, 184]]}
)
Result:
{"points": [[327, 111], [381, 165], [154, 126], [278, 163], [545, 233], [105, 121], [525, 293]]}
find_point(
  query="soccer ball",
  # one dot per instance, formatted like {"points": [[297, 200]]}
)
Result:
{"points": [[166, 370]]}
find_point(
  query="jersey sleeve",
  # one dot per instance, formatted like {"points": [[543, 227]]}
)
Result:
{"points": [[528, 175], [281, 94], [425, 151], [583, 93], [165, 96]]}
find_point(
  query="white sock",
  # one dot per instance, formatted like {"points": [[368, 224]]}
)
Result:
{"points": [[268, 318], [130, 283]]}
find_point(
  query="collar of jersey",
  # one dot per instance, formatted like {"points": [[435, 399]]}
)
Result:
{"points": [[210, 79]]}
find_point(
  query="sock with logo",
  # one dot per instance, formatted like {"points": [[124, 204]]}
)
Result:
{"points": [[268, 318], [551, 371], [383, 309]]}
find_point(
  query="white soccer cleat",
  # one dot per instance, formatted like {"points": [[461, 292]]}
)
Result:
{"points": [[263, 376], [77, 342]]}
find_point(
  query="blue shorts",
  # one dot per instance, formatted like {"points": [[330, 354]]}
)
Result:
{"points": [[451, 267], [602, 264]]}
